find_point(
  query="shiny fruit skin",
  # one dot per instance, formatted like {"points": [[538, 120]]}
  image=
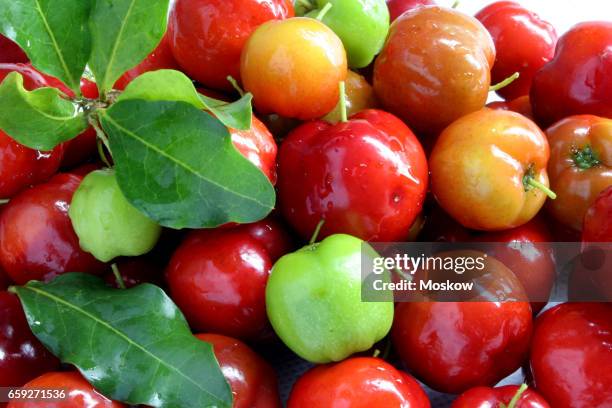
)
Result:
{"points": [[477, 168], [359, 96], [453, 347], [258, 145], [521, 105], [485, 397], [532, 261], [577, 80], [571, 355], [107, 224], [11, 52], [434, 68], [207, 36], [36, 237], [218, 277], [293, 68], [80, 394], [510, 24], [252, 379], [366, 177], [597, 225], [399, 7], [313, 300], [160, 58], [23, 356], [21, 166], [362, 25], [358, 382], [577, 187]]}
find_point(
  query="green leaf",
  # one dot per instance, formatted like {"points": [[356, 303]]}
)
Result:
{"points": [[170, 85], [123, 33], [237, 115], [181, 168], [162, 85], [133, 345], [40, 119], [53, 33]]}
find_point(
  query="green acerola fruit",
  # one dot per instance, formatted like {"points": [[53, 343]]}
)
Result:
{"points": [[313, 299], [107, 225], [362, 25]]}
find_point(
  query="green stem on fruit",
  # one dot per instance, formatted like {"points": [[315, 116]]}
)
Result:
{"points": [[456, 4], [376, 353], [585, 158], [505, 82], [324, 11], [517, 396], [317, 230], [4, 201], [532, 182], [235, 85], [118, 276], [343, 114]]}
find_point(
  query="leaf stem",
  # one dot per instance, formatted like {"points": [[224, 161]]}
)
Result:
{"points": [[4, 200], [505, 82], [317, 230], [235, 85], [324, 11], [118, 277], [343, 114], [456, 4]]}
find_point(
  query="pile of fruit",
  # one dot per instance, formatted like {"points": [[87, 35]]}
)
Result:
{"points": [[162, 163]]}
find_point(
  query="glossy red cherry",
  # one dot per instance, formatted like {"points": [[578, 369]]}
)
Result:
{"points": [[160, 58], [598, 219], [358, 382], [527, 253], [453, 347], [207, 36], [10, 52], [22, 356], [257, 144], [218, 277], [36, 236], [21, 166], [79, 393], [252, 379], [510, 24], [399, 7], [366, 177], [485, 397], [577, 80], [571, 355]]}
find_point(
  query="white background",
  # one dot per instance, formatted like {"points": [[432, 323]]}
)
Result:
{"points": [[561, 13]]}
